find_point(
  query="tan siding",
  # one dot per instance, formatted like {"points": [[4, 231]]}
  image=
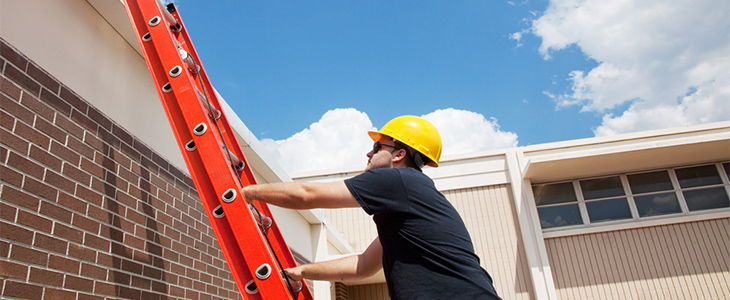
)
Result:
{"points": [[355, 225], [368, 292], [677, 261], [490, 217]]}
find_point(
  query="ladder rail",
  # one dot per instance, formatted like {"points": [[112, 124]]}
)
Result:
{"points": [[207, 143]]}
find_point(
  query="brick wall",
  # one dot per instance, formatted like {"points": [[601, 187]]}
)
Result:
{"points": [[88, 211]]}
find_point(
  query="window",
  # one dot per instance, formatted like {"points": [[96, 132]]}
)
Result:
{"points": [[633, 196]]}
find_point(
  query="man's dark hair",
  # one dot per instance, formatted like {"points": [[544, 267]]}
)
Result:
{"points": [[414, 159]]}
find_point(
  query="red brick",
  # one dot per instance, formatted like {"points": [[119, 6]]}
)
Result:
{"points": [[7, 212], [70, 127], [60, 182], [63, 264], [77, 174], [47, 277], [89, 195], [65, 153], [142, 148], [28, 255], [43, 78], [54, 293], [141, 282], [19, 198], [79, 284], [40, 189], [22, 290], [82, 296], [35, 221], [96, 242], [32, 135], [103, 187], [37, 106], [6, 121], [44, 158], [23, 80], [81, 252], [12, 56], [99, 118], [85, 223], [98, 213], [93, 271], [104, 288], [79, 147], [50, 130], [9, 87], [129, 293], [11, 269], [10, 176], [122, 134], [49, 243], [68, 233], [56, 102], [83, 120], [14, 142], [71, 202], [16, 110], [92, 168], [74, 99], [55, 212]]}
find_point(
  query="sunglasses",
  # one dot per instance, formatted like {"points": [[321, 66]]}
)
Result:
{"points": [[378, 145]]}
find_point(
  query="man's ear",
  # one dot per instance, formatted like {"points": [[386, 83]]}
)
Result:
{"points": [[399, 155]]}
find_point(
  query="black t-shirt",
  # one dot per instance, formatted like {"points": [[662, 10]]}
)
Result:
{"points": [[427, 251]]}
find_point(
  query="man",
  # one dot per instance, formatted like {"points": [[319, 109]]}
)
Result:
{"points": [[422, 245]]}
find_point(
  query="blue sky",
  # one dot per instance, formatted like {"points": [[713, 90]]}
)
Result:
{"points": [[309, 77]]}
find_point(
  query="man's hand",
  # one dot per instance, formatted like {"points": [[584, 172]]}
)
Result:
{"points": [[294, 273]]}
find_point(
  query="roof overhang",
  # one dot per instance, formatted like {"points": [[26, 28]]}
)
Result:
{"points": [[636, 152]]}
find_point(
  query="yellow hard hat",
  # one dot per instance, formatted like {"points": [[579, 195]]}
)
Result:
{"points": [[416, 133]]}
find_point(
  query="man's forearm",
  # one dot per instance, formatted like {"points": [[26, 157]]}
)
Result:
{"points": [[288, 195], [302, 195], [342, 269]]}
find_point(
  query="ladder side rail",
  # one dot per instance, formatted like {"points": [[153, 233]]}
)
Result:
{"points": [[230, 249], [214, 165], [278, 244]]}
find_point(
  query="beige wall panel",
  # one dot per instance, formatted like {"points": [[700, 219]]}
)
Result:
{"points": [[677, 261], [355, 225], [490, 217], [368, 292]]}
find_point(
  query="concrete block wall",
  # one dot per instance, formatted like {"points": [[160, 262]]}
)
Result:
{"points": [[87, 211]]}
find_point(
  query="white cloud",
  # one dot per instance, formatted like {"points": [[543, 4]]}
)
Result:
{"points": [[339, 139], [465, 132], [669, 60]]}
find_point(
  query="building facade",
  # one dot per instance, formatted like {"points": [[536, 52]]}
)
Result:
{"points": [[96, 201]]}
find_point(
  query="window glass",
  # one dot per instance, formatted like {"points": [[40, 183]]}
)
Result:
{"points": [[650, 182], [554, 193], [608, 210], [558, 216], [657, 204], [602, 188], [698, 176], [710, 198]]}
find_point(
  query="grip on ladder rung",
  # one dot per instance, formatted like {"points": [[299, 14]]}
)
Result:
{"points": [[200, 129], [251, 287], [229, 195]]}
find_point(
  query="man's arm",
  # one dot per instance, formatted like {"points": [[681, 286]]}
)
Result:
{"points": [[349, 268], [302, 195]]}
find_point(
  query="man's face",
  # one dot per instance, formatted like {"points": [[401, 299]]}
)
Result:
{"points": [[382, 154]]}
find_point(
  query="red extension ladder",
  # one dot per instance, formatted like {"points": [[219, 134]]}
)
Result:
{"points": [[249, 238]]}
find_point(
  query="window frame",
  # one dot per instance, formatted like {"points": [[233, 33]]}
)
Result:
{"points": [[629, 196]]}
